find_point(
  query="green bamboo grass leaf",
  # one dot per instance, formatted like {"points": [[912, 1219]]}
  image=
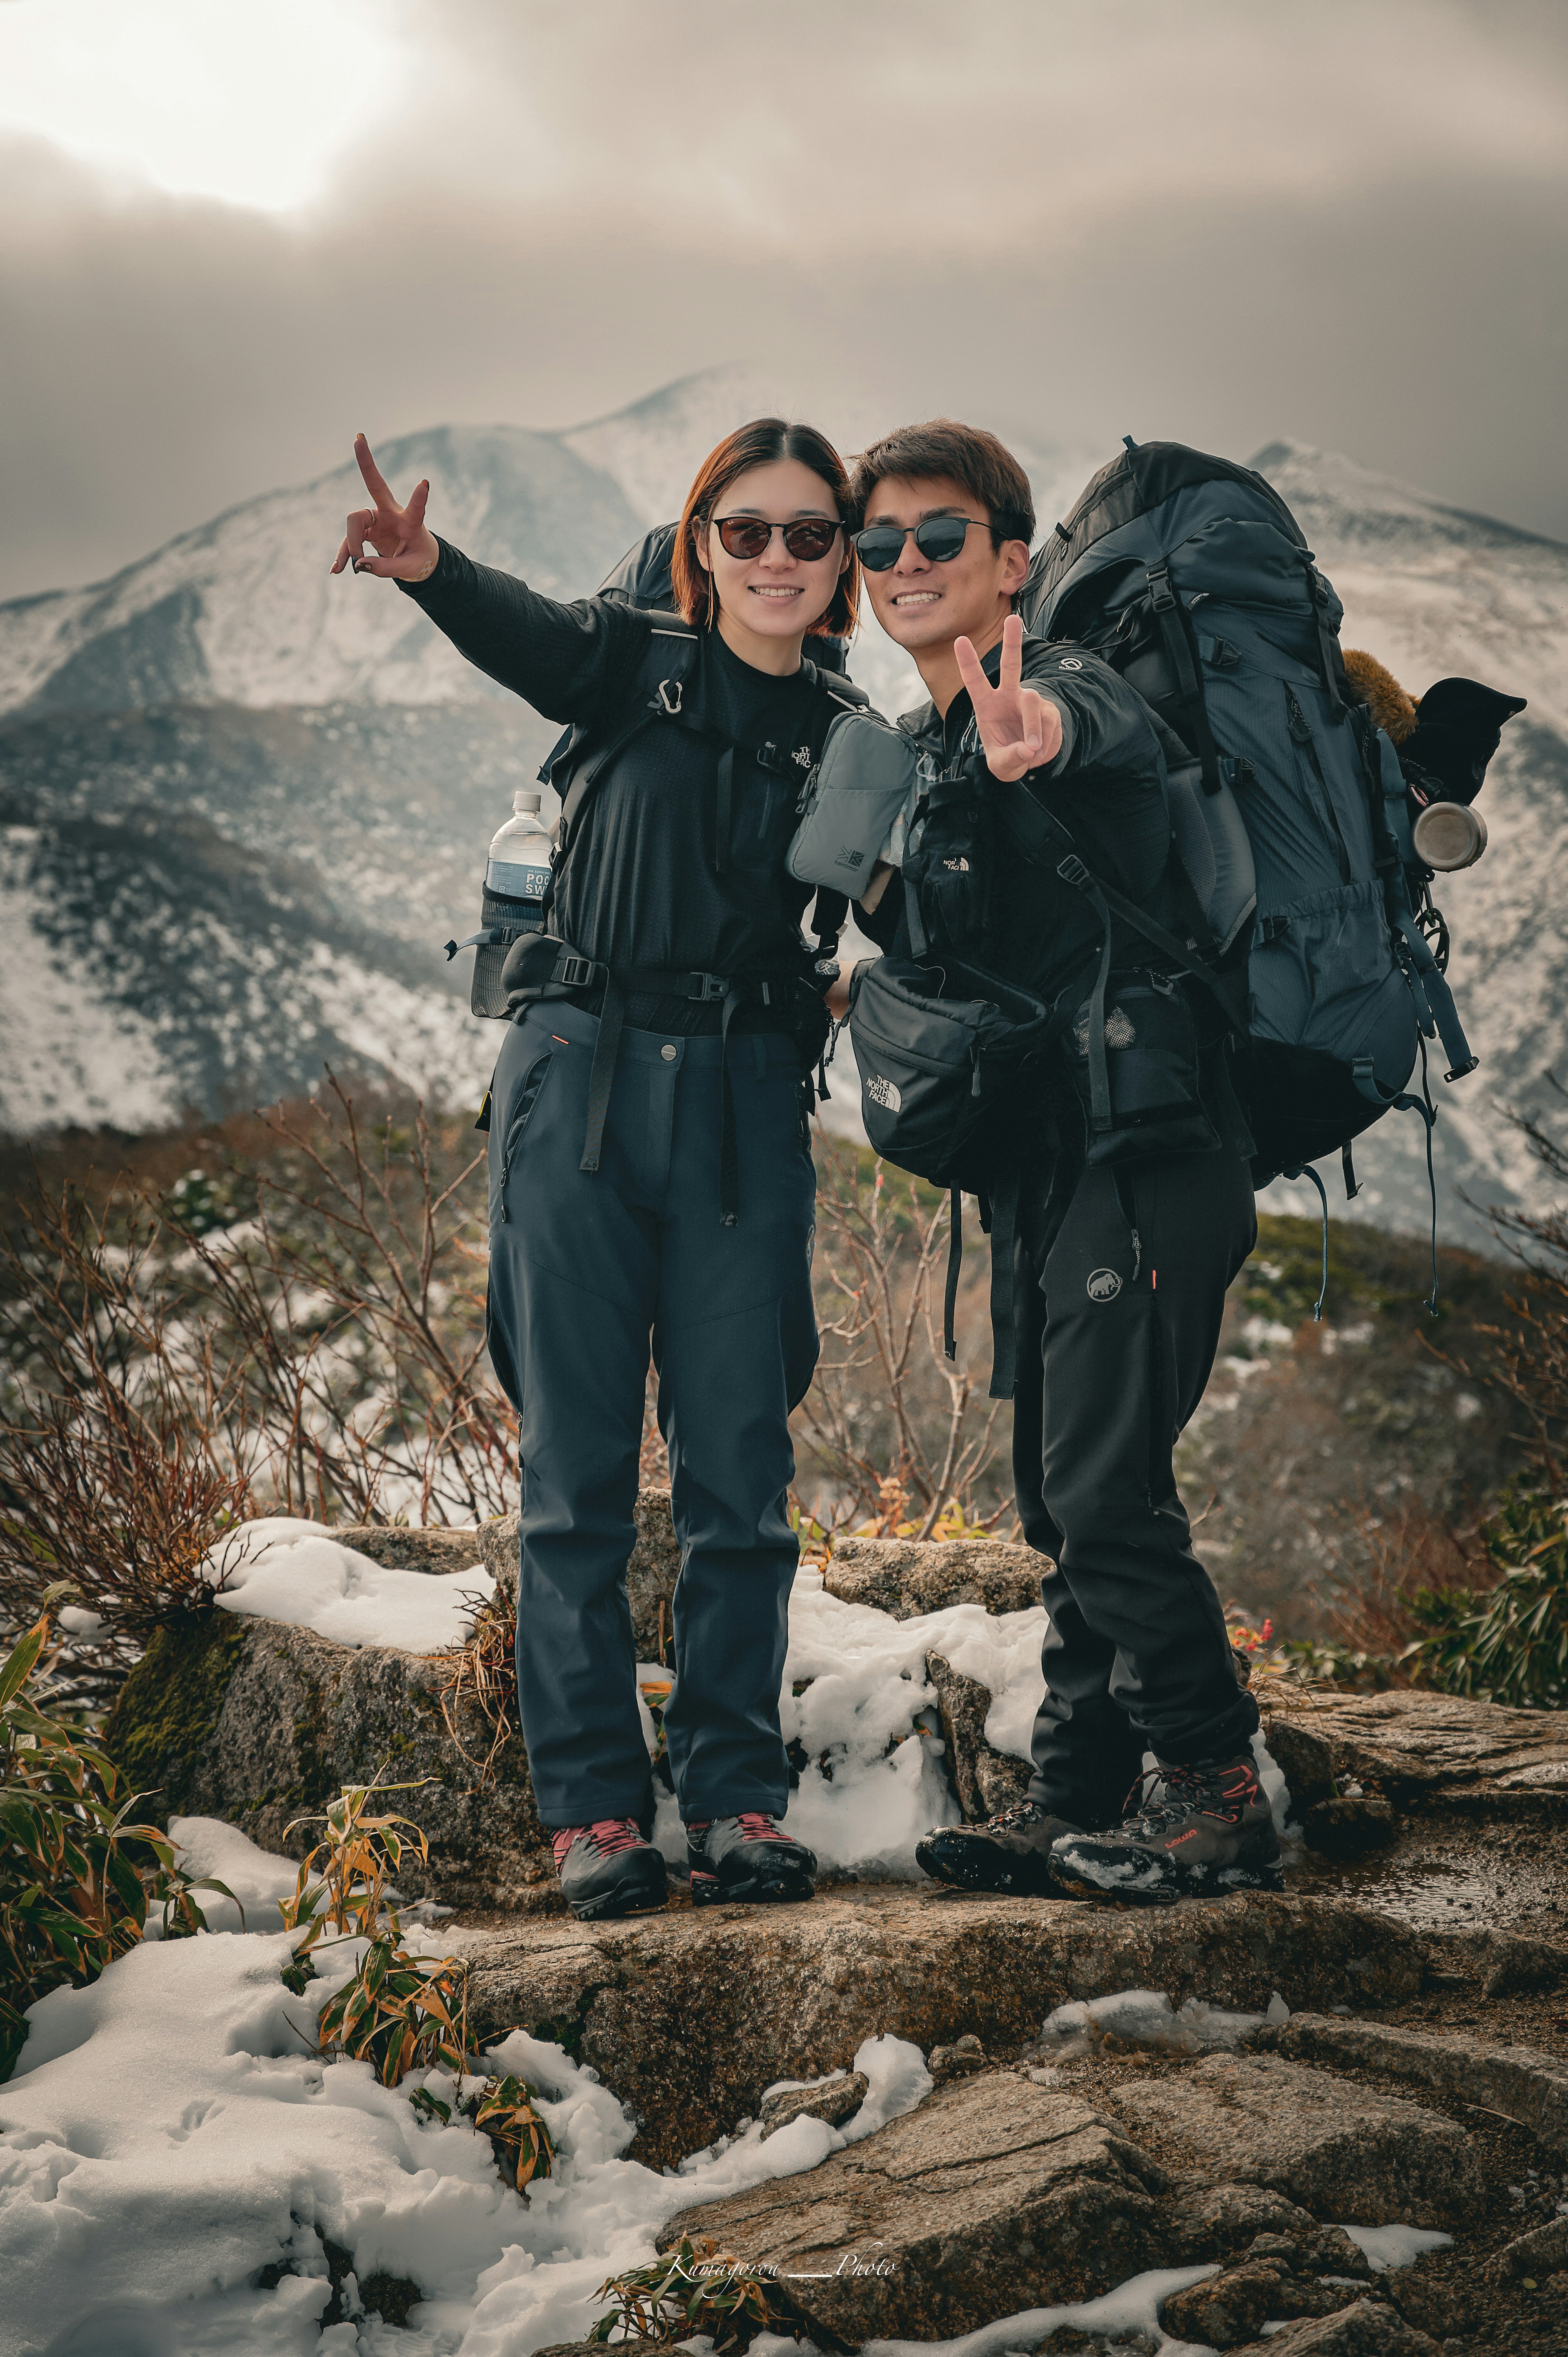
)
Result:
{"points": [[20, 1662]]}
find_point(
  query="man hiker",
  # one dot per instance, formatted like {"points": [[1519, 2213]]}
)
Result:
{"points": [[1120, 1267]]}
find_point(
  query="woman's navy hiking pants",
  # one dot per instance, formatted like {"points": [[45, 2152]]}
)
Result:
{"points": [[586, 1272]]}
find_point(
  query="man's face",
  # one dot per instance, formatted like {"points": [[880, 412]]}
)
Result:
{"points": [[921, 604]]}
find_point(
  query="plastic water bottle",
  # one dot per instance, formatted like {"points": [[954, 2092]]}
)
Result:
{"points": [[517, 867], [517, 876]]}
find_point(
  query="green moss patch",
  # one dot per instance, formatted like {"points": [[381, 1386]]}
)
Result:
{"points": [[169, 1705]]}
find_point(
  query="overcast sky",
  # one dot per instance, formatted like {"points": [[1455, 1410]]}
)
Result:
{"points": [[231, 234]]}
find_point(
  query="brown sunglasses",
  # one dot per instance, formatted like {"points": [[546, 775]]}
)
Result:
{"points": [[809, 538]]}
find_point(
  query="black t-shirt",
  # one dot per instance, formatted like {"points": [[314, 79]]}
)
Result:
{"points": [[645, 885]]}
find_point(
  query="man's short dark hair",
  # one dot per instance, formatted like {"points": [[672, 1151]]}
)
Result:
{"points": [[965, 454]]}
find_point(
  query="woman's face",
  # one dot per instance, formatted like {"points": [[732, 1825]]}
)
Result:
{"points": [[775, 595]]}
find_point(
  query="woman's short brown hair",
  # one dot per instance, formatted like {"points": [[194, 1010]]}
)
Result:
{"points": [[759, 443], [963, 454]]}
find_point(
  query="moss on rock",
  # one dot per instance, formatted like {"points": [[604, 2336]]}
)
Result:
{"points": [[170, 1706]]}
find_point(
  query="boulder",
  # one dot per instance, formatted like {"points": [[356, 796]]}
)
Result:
{"points": [[790, 1992], [908, 1577], [985, 1780], [1370, 2329], [995, 2195], [1428, 1752], [437, 1550], [1518, 2082], [651, 1575], [1338, 2148], [261, 1724]]}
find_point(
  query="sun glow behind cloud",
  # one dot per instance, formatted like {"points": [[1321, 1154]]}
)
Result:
{"points": [[252, 106]]}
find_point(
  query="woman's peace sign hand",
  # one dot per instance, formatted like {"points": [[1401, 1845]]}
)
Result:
{"points": [[1019, 729], [405, 550]]}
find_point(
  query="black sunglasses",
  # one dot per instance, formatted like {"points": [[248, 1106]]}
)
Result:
{"points": [[941, 538], [809, 538]]}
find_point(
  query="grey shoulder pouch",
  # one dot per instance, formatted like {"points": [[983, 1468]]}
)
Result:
{"points": [[867, 783]]}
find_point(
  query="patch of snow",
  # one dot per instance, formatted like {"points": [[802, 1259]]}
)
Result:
{"points": [[873, 1783], [170, 2131], [1133, 2306], [1388, 2247], [283, 1568], [257, 1877], [1271, 1776], [1145, 2017], [78, 1621]]}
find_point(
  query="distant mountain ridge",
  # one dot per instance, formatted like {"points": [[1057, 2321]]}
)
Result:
{"points": [[321, 728]]}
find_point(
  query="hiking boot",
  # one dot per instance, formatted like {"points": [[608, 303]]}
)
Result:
{"points": [[747, 1858], [609, 1869], [1201, 1831], [1011, 1851]]}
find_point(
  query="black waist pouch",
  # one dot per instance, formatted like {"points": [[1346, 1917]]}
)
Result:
{"points": [[1151, 1048], [945, 1050]]}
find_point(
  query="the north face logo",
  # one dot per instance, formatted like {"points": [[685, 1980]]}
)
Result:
{"points": [[1104, 1284], [801, 757], [883, 1092], [958, 867]]}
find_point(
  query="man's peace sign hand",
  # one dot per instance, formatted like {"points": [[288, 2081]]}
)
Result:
{"points": [[405, 550], [1019, 730]]}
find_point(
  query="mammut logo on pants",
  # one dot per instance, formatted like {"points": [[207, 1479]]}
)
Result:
{"points": [[1104, 1284], [883, 1092]]}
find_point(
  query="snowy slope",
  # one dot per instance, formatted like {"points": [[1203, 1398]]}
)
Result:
{"points": [[150, 965], [244, 611]]}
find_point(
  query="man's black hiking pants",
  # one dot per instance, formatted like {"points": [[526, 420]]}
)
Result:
{"points": [[1113, 1354], [586, 1272]]}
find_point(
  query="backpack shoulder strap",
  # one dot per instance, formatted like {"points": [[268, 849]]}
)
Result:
{"points": [[656, 691]]}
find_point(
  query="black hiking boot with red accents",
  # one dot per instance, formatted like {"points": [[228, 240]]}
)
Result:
{"points": [[1198, 1832], [748, 1857], [609, 1869], [1011, 1851]]}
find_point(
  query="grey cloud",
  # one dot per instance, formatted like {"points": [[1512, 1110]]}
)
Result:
{"points": [[1395, 289]]}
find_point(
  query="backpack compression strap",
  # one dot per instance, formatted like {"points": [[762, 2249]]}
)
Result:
{"points": [[1043, 840]]}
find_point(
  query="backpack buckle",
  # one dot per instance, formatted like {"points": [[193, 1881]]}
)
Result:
{"points": [[574, 973], [711, 986], [1072, 871], [1160, 591], [669, 693]]}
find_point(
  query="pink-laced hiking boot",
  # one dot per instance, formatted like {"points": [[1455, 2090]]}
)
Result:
{"points": [[747, 1858], [1198, 1831], [609, 1869]]}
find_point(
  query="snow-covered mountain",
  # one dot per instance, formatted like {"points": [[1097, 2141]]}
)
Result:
{"points": [[223, 709]]}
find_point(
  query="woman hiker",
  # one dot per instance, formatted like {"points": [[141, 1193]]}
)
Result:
{"points": [[650, 1177]]}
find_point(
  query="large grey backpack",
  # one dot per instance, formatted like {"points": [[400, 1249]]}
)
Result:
{"points": [[1192, 578]]}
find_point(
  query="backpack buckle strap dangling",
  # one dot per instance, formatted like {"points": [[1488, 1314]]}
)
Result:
{"points": [[955, 1263], [1305, 1170], [602, 1071]]}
